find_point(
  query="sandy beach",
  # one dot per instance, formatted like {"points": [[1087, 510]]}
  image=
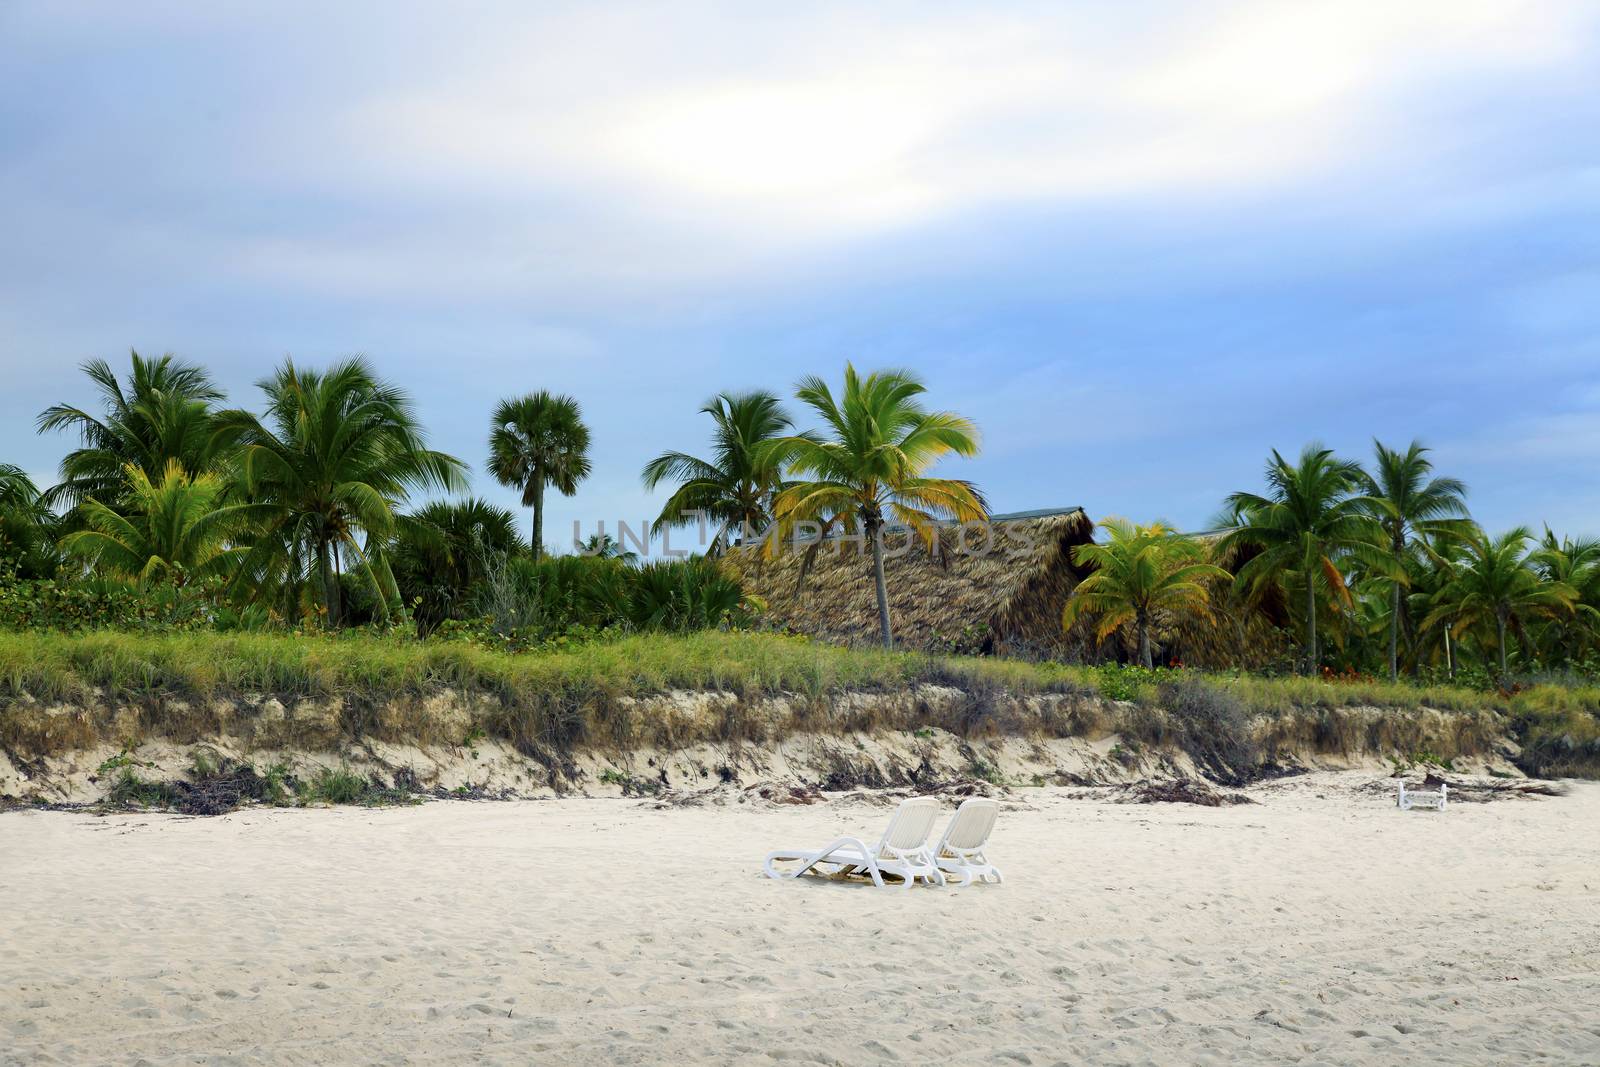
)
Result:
{"points": [[1318, 925]]}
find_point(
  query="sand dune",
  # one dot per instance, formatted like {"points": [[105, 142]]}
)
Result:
{"points": [[1317, 926]]}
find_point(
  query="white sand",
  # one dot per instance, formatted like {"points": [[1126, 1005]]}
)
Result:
{"points": [[1308, 928]]}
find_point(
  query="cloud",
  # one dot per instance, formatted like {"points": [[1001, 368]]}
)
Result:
{"points": [[1141, 243], [865, 123]]}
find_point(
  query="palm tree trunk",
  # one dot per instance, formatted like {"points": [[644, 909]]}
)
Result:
{"points": [[538, 514], [1449, 653], [876, 533], [1311, 621], [1394, 633], [1500, 627], [330, 583], [1144, 646]]}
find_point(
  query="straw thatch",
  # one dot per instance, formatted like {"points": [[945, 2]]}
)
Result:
{"points": [[992, 588], [1241, 630], [997, 590]]}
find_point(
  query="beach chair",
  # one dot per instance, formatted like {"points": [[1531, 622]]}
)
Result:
{"points": [[902, 851], [960, 850], [1417, 798]]}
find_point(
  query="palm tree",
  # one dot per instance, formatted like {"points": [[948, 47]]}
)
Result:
{"points": [[736, 486], [875, 460], [1575, 563], [604, 546], [337, 453], [27, 527], [175, 532], [1411, 507], [163, 414], [16, 488], [443, 552], [1140, 574], [539, 440], [1309, 517], [1495, 582], [1430, 574]]}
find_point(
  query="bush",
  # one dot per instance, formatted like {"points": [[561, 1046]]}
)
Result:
{"points": [[99, 603], [564, 599]]}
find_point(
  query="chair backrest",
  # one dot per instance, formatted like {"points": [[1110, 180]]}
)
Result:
{"points": [[972, 823], [911, 824]]}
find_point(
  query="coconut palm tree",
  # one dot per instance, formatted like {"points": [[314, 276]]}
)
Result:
{"points": [[1411, 507], [338, 452], [539, 440], [872, 464], [1141, 573], [163, 414], [175, 530], [736, 486], [1309, 517], [1573, 562], [1427, 573], [16, 488], [1496, 583], [27, 527], [604, 546]]}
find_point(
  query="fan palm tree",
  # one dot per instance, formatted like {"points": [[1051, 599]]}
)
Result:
{"points": [[442, 553], [163, 414], [539, 440], [1309, 517], [873, 464], [1411, 507], [1495, 583], [736, 486], [337, 453], [175, 531], [1140, 573]]}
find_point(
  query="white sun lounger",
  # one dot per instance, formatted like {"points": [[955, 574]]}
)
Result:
{"points": [[960, 850], [902, 851], [1417, 798]]}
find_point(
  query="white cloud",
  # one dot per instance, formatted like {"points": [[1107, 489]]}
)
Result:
{"points": [[860, 122]]}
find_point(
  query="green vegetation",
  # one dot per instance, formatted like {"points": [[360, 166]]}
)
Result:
{"points": [[735, 488], [873, 463], [1138, 572], [539, 441], [1413, 510], [175, 531], [216, 786], [1492, 584], [337, 451], [564, 696], [1309, 517], [190, 550]]}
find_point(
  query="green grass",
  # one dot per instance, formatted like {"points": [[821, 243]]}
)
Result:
{"points": [[63, 667], [550, 700]]}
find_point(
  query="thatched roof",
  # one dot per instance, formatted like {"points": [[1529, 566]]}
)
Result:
{"points": [[994, 588]]}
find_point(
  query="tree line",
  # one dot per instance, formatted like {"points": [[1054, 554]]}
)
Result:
{"points": [[300, 514], [1386, 566]]}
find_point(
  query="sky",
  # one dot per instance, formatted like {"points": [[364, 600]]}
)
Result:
{"points": [[1140, 245]]}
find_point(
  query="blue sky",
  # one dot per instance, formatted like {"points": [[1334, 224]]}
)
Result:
{"points": [[1139, 244]]}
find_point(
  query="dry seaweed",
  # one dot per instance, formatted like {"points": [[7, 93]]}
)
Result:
{"points": [[1182, 791]]}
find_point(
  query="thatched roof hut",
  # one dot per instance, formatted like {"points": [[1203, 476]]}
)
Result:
{"points": [[993, 588]]}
